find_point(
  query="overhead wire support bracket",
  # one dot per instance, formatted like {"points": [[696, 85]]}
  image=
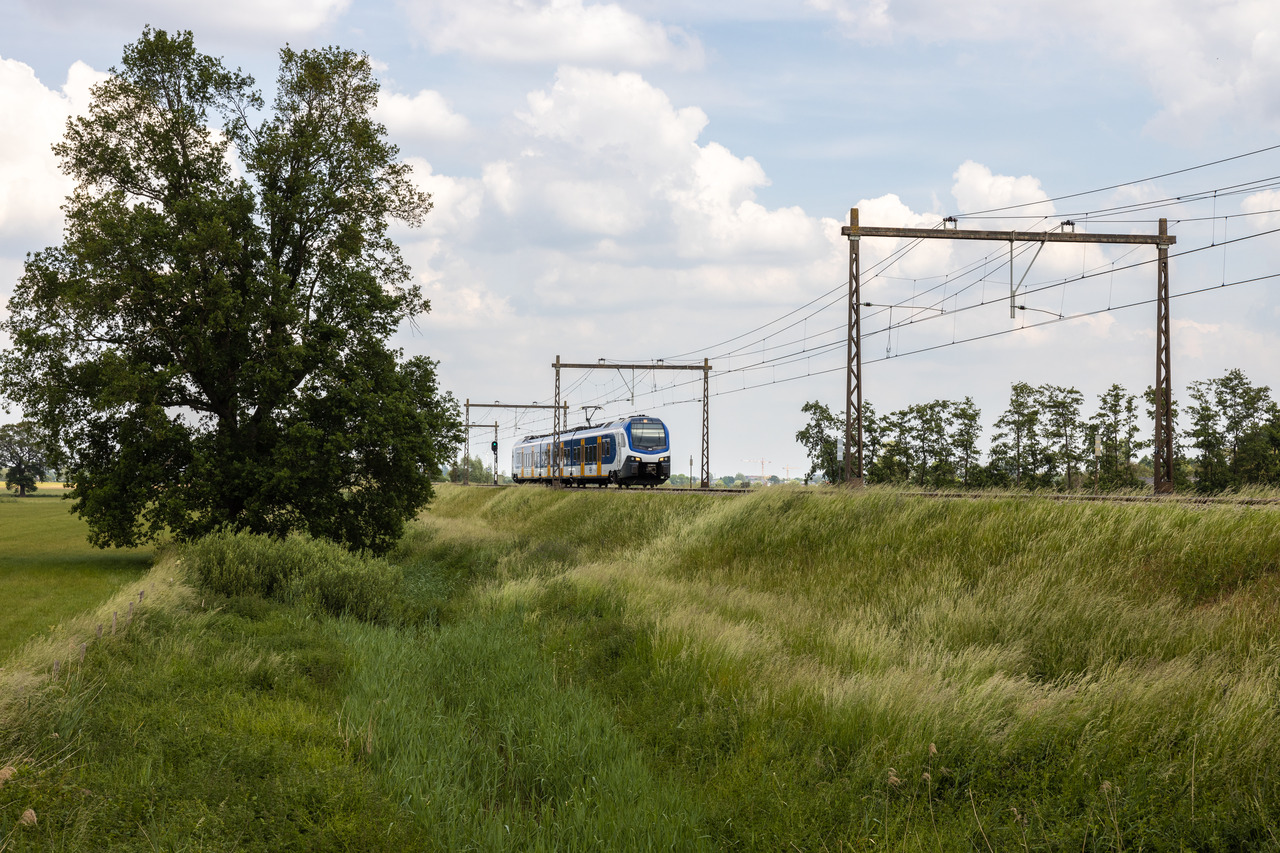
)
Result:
{"points": [[1162, 451], [1013, 289]]}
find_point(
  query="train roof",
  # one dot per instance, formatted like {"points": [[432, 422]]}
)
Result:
{"points": [[593, 427]]}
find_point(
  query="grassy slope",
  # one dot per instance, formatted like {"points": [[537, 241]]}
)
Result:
{"points": [[192, 727], [210, 723], [47, 570], [860, 671], [786, 670]]}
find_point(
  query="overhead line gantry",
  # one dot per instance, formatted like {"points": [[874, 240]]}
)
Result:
{"points": [[1162, 451], [705, 367], [497, 405]]}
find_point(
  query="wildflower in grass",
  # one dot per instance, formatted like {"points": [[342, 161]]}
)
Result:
{"points": [[6, 774], [28, 818], [893, 778], [933, 750]]}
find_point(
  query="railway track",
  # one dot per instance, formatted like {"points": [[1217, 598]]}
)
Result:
{"points": [[1190, 500], [1195, 500]]}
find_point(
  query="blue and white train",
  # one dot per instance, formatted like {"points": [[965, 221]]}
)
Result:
{"points": [[631, 452]]}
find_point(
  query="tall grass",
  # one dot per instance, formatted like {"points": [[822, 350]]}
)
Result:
{"points": [[239, 709], [785, 670], [469, 726], [198, 723], [870, 670]]}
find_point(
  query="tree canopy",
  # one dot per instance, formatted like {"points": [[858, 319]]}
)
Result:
{"points": [[22, 457], [208, 347], [1235, 426]]}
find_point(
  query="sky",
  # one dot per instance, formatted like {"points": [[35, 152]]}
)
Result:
{"points": [[634, 181]]}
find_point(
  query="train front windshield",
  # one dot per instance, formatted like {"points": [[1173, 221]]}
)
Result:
{"points": [[648, 436]]}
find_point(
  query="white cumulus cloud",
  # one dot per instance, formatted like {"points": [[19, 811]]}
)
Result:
{"points": [[643, 156], [977, 189], [32, 187], [426, 116], [455, 202], [1265, 207], [272, 17], [1204, 61], [555, 31]]}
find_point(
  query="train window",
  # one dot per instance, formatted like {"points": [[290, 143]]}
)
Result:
{"points": [[648, 436]]}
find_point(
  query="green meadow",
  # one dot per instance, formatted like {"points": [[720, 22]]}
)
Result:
{"points": [[582, 670], [47, 569]]}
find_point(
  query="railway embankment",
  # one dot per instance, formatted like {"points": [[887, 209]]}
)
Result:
{"points": [[880, 669], [601, 670]]}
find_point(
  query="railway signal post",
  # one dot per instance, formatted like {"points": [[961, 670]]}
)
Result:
{"points": [[466, 457], [1162, 451]]}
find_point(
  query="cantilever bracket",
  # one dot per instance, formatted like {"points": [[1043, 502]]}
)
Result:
{"points": [[1013, 289]]}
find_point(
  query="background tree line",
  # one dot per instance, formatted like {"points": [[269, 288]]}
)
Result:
{"points": [[1045, 440]]}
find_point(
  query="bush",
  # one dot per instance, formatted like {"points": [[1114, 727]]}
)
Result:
{"points": [[319, 575]]}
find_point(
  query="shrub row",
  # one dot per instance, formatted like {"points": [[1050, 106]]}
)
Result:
{"points": [[319, 575]]}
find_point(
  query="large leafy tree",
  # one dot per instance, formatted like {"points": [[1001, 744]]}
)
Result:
{"points": [[821, 436], [1062, 428], [22, 456], [965, 429], [1113, 432], [208, 346], [921, 447], [930, 444], [818, 437], [1018, 449], [1234, 426]]}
